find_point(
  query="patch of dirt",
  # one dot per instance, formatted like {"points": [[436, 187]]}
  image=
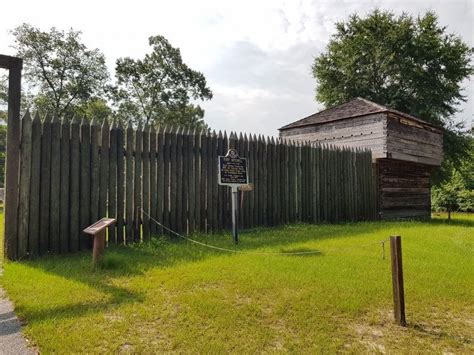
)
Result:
{"points": [[242, 300], [370, 336], [113, 317], [125, 349], [437, 331]]}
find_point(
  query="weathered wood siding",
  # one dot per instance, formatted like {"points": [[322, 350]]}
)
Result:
{"points": [[413, 141], [386, 135], [404, 189], [367, 132]]}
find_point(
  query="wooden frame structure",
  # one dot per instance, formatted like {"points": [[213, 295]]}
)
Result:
{"points": [[14, 66]]}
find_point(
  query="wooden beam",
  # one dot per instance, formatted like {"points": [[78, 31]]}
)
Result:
{"points": [[8, 62], [13, 156]]}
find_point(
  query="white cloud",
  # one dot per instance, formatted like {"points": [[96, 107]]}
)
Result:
{"points": [[256, 55]]}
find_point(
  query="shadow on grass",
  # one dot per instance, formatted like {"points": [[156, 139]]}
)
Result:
{"points": [[300, 252], [78, 268], [436, 333], [458, 221], [163, 252]]}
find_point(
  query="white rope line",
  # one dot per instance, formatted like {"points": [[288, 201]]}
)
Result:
{"points": [[257, 253]]}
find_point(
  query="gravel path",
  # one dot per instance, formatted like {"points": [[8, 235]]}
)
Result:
{"points": [[11, 338]]}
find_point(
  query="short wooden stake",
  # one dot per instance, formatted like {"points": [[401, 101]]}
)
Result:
{"points": [[397, 280]]}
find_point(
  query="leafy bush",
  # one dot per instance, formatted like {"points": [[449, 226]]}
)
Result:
{"points": [[453, 195]]}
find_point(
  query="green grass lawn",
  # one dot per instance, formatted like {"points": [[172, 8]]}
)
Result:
{"points": [[176, 296]]}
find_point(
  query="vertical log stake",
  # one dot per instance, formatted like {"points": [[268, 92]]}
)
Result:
{"points": [[397, 280]]}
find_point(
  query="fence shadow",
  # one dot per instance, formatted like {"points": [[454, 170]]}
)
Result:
{"points": [[164, 252]]}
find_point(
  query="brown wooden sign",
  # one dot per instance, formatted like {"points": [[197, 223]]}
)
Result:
{"points": [[98, 226], [97, 230]]}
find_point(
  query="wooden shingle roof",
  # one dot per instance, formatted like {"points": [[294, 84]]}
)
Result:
{"points": [[356, 107]]}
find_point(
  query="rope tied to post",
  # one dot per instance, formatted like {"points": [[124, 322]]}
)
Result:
{"points": [[258, 253]]}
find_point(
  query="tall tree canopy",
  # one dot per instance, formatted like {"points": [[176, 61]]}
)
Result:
{"points": [[160, 88], [62, 70], [408, 64]]}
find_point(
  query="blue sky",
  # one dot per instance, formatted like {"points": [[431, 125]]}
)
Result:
{"points": [[256, 55]]}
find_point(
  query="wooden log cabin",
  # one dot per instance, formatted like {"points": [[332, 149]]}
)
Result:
{"points": [[405, 149]]}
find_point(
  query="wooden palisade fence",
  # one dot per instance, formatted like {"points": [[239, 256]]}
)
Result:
{"points": [[72, 173]]}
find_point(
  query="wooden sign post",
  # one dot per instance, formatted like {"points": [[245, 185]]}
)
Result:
{"points": [[233, 172], [97, 230], [397, 280]]}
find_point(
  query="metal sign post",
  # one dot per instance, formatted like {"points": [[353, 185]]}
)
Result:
{"points": [[233, 172], [235, 216]]}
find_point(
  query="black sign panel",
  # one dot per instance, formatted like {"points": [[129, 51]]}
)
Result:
{"points": [[232, 169]]}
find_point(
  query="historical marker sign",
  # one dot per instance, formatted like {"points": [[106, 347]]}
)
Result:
{"points": [[233, 173], [232, 169]]}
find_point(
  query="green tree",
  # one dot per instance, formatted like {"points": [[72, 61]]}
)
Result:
{"points": [[453, 195], [412, 65], [95, 108], [63, 72], [466, 167], [160, 88], [466, 200]]}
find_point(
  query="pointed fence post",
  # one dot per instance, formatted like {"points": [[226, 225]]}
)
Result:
{"points": [[55, 183], [45, 186], [153, 181], [120, 183], [95, 170], [203, 179], [104, 168], [75, 193], [34, 193], [137, 188], [146, 183], [25, 176], [129, 185], [162, 188], [85, 180], [65, 188], [112, 182]]}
